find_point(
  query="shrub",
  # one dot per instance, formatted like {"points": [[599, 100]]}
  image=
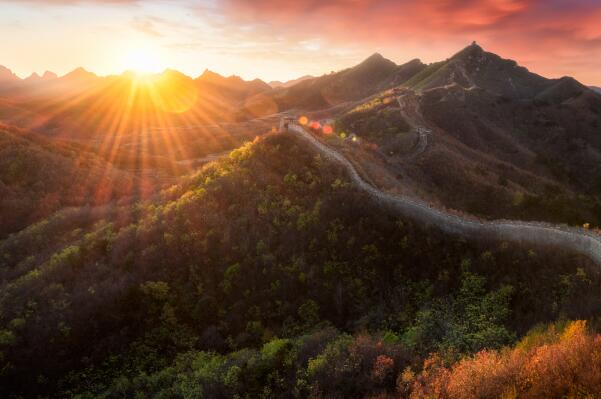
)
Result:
{"points": [[550, 365], [356, 367]]}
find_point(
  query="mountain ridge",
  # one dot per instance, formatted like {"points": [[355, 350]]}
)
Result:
{"points": [[373, 74], [470, 53], [7, 76], [277, 84]]}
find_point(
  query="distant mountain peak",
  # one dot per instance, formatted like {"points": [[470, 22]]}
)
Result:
{"points": [[375, 62], [375, 58], [475, 46], [174, 73], [277, 83], [414, 61], [33, 77], [80, 73], [210, 76], [232, 84], [49, 75], [36, 77], [233, 80], [471, 51], [208, 73], [235, 77], [6, 75]]}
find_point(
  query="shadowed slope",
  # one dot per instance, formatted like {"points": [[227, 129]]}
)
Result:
{"points": [[505, 143]]}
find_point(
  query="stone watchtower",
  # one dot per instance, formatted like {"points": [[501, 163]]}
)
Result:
{"points": [[285, 122]]}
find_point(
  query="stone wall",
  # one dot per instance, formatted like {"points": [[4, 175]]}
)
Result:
{"points": [[574, 239]]}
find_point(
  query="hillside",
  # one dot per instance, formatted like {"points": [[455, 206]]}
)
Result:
{"points": [[502, 142], [557, 361], [271, 242], [83, 106], [39, 177], [374, 74], [160, 125], [276, 83], [233, 88]]}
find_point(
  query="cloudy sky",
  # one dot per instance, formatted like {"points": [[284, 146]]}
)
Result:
{"points": [[279, 39]]}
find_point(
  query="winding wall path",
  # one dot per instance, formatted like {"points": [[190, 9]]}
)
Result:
{"points": [[576, 239], [422, 132]]}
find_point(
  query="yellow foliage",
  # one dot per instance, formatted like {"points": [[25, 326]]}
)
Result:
{"points": [[575, 329]]}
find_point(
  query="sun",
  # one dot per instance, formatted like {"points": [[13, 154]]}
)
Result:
{"points": [[143, 61]]}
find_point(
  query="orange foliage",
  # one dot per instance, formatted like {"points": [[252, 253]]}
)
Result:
{"points": [[383, 366], [568, 366]]}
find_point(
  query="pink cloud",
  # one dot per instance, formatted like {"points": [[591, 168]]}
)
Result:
{"points": [[551, 36]]}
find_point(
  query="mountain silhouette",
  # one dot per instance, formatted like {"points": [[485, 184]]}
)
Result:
{"points": [[373, 74], [7, 76], [276, 83]]}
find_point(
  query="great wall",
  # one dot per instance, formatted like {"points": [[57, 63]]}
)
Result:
{"points": [[574, 239]]}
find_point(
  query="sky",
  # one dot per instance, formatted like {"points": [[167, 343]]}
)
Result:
{"points": [[281, 40]]}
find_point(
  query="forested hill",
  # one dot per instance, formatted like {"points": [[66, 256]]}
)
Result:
{"points": [[39, 176], [271, 248]]}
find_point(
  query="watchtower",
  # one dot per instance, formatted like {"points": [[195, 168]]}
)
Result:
{"points": [[285, 122]]}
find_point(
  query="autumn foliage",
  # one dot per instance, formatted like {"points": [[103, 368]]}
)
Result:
{"points": [[546, 364]]}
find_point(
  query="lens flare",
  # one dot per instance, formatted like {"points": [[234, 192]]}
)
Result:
{"points": [[303, 120], [327, 129]]}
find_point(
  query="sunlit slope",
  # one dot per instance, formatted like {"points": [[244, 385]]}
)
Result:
{"points": [[149, 123], [39, 176], [83, 106]]}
